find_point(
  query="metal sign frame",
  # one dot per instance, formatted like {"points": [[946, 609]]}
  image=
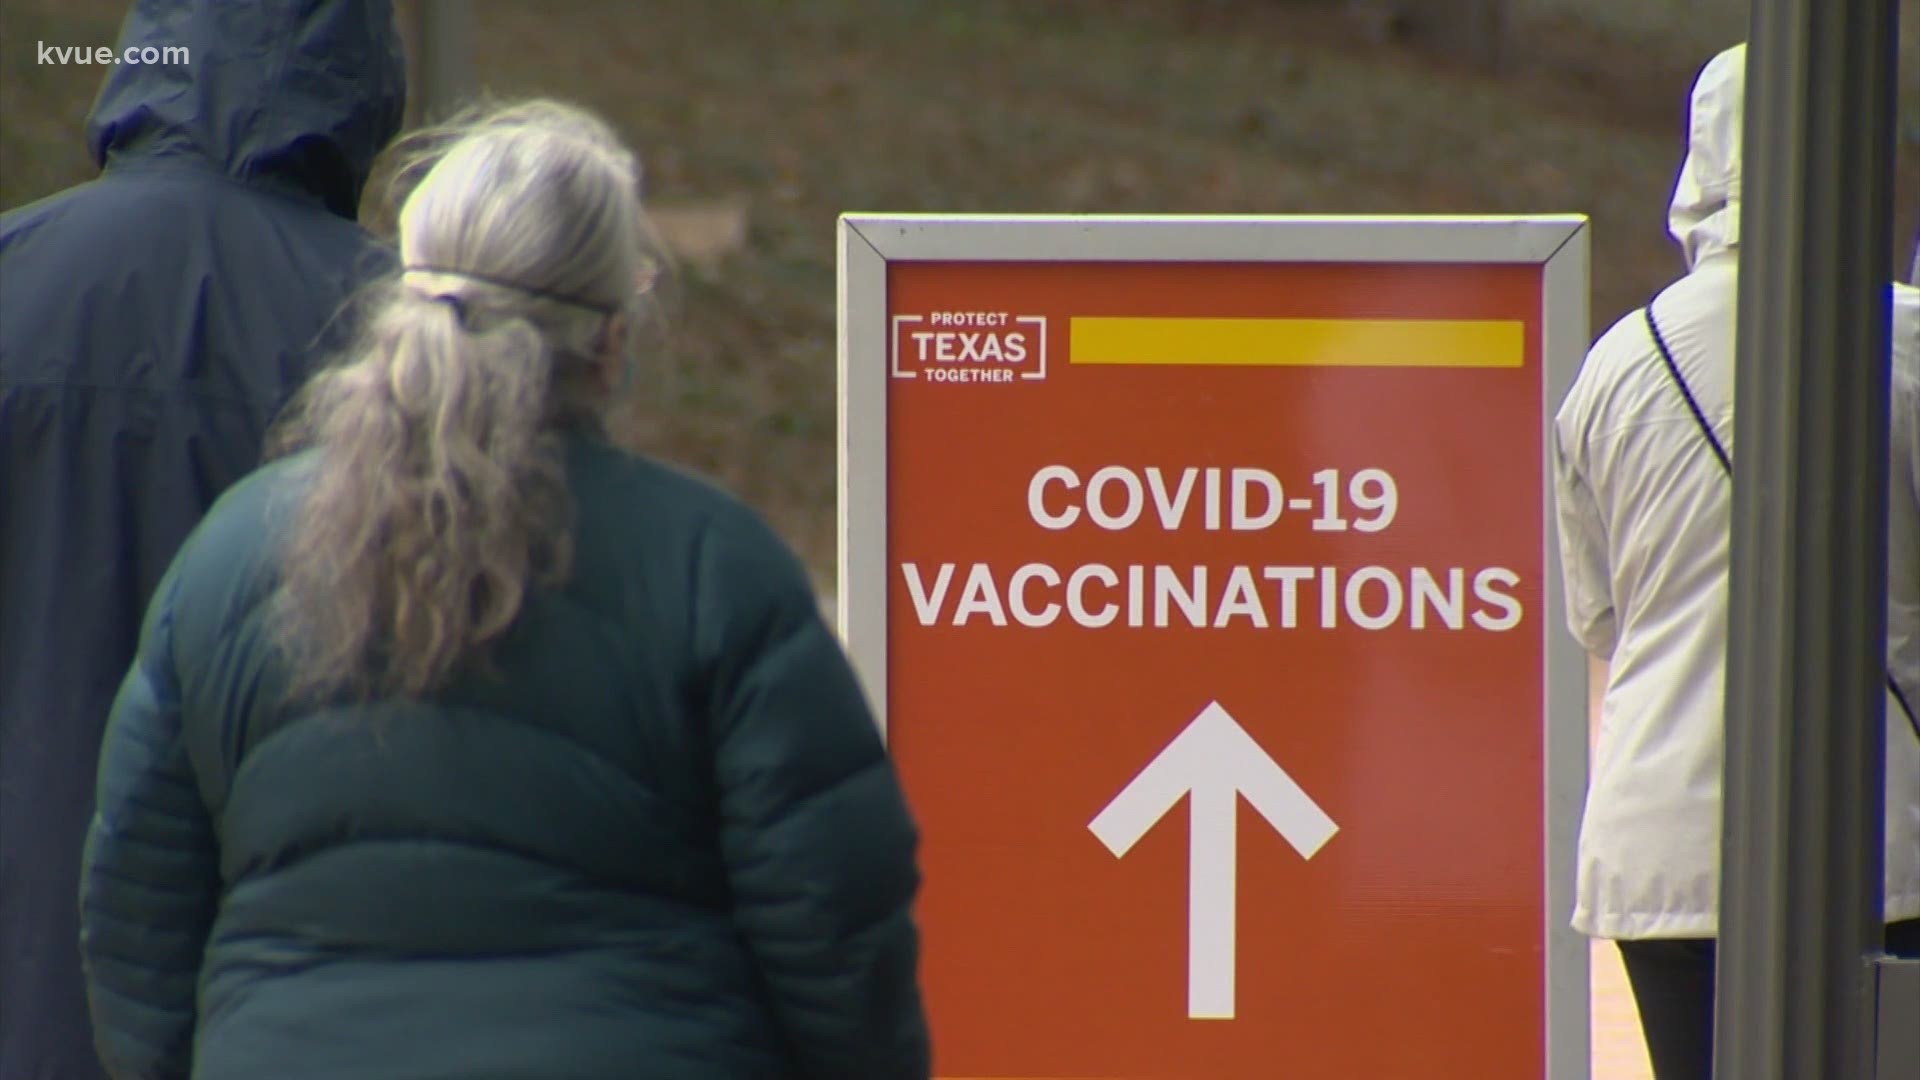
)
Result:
{"points": [[1559, 244]]}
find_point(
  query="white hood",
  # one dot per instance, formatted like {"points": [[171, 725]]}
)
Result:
{"points": [[1704, 217]]}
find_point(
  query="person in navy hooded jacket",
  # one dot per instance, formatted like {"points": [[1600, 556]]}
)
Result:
{"points": [[152, 322]]}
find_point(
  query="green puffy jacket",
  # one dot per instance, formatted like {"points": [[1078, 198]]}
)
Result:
{"points": [[665, 841]]}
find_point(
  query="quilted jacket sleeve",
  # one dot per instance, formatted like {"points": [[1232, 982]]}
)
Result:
{"points": [[149, 876], [816, 833]]}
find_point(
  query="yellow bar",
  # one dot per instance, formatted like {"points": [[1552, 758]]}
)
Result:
{"points": [[1298, 342]]}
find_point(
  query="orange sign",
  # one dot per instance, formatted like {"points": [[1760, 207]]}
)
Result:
{"points": [[1216, 633]]}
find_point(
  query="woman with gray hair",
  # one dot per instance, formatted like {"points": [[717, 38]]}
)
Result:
{"points": [[461, 743]]}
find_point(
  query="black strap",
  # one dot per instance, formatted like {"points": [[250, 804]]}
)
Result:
{"points": [[1693, 403], [516, 286], [1726, 465], [458, 305]]}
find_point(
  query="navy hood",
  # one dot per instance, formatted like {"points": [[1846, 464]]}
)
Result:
{"points": [[299, 95]]}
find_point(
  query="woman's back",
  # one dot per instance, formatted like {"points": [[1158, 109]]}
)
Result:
{"points": [[574, 867], [649, 830]]}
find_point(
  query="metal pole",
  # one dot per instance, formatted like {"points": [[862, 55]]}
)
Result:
{"points": [[1800, 901]]}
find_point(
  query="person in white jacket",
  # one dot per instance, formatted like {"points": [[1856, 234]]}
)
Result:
{"points": [[1644, 502]]}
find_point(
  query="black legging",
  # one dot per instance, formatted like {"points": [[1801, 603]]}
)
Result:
{"points": [[1673, 986]]}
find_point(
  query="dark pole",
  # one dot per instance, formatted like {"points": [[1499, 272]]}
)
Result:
{"points": [[1800, 902]]}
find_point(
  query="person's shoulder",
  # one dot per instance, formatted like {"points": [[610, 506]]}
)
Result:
{"points": [[1691, 314], [247, 518], [732, 556], [667, 499], [670, 490], [21, 222], [1623, 347], [227, 568], [193, 230], [128, 205], [65, 233], [1628, 337]]}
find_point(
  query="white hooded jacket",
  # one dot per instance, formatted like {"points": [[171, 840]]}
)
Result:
{"points": [[1644, 513]]}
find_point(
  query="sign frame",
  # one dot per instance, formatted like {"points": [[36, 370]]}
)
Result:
{"points": [[1558, 244]]}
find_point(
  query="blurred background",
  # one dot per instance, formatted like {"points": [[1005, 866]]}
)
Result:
{"points": [[759, 121]]}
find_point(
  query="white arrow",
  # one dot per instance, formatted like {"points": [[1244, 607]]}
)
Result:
{"points": [[1214, 760]]}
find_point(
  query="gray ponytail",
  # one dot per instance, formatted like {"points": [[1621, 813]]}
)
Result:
{"points": [[437, 493]]}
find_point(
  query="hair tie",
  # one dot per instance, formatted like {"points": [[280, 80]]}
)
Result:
{"points": [[458, 305], [530, 290]]}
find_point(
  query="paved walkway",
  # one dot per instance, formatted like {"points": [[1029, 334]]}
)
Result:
{"points": [[1619, 1053]]}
